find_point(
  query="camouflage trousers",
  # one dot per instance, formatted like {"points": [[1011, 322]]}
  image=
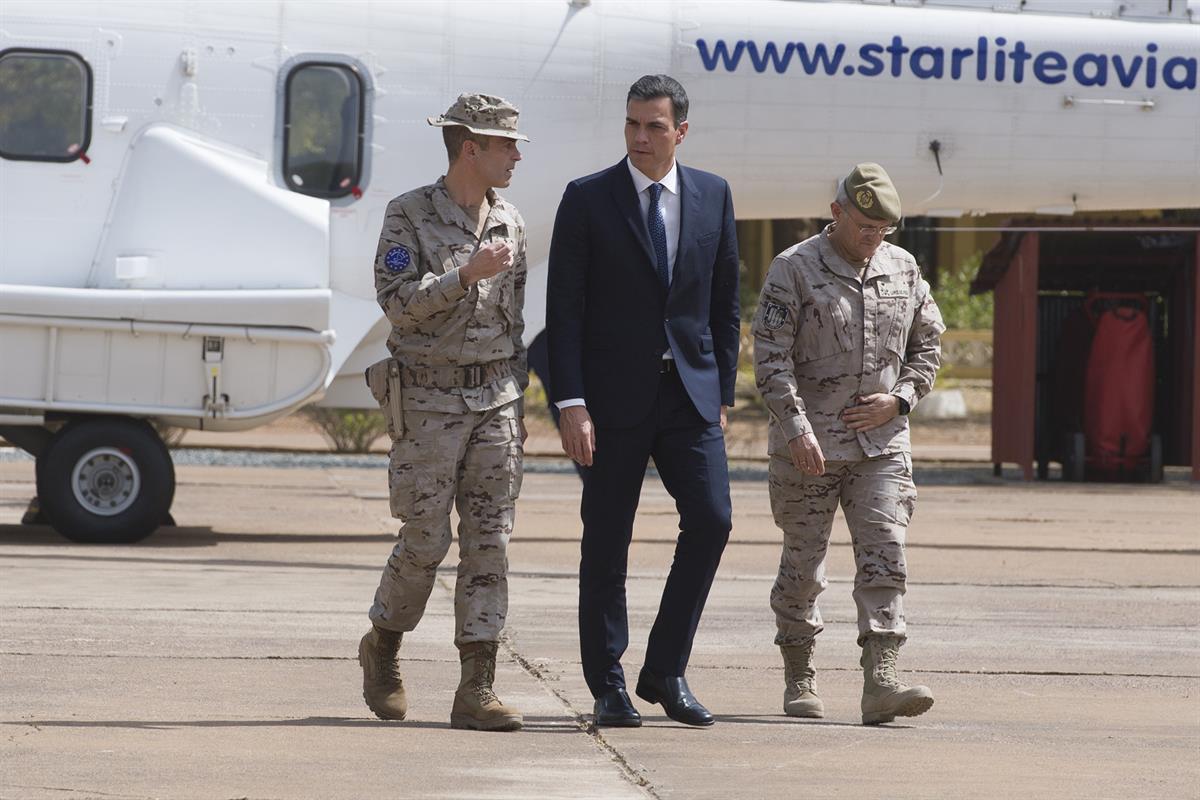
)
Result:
{"points": [[877, 496], [471, 461]]}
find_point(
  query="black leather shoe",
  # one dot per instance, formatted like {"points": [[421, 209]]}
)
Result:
{"points": [[675, 697], [614, 710]]}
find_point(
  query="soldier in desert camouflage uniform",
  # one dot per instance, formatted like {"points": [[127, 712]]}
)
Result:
{"points": [[450, 276], [846, 341]]}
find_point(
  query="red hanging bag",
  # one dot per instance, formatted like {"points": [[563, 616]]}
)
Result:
{"points": [[1118, 413]]}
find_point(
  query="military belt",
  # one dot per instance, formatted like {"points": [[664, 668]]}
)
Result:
{"points": [[470, 377]]}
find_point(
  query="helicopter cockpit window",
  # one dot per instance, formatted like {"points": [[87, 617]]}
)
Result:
{"points": [[45, 105], [323, 130]]}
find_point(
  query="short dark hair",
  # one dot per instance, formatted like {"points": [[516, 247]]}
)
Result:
{"points": [[652, 87], [456, 135]]}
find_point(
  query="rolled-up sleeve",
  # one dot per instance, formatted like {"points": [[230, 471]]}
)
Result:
{"points": [[923, 352], [775, 327], [407, 290]]}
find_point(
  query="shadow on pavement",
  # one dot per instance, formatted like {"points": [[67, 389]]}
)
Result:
{"points": [[191, 537], [185, 537], [776, 719], [532, 724]]}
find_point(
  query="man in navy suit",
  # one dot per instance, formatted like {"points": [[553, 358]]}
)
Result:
{"points": [[642, 321]]}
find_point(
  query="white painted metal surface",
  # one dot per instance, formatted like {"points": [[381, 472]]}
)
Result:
{"points": [[172, 189], [111, 366]]}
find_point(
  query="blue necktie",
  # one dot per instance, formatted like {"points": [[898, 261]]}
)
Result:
{"points": [[658, 234]]}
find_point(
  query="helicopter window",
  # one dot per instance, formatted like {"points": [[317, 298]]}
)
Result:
{"points": [[45, 105], [323, 130]]}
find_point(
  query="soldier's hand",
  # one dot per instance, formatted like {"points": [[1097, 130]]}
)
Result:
{"points": [[578, 434], [807, 455], [871, 412], [490, 259]]}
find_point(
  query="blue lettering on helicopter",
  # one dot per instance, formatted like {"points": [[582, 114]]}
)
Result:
{"points": [[989, 59]]}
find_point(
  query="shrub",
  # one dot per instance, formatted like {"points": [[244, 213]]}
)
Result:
{"points": [[349, 430]]}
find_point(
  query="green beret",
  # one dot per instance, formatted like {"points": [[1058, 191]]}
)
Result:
{"points": [[870, 190]]}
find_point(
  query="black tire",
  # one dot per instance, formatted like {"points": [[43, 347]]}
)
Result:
{"points": [[106, 480]]}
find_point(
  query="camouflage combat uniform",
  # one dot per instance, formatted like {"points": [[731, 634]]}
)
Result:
{"points": [[822, 339], [464, 372]]}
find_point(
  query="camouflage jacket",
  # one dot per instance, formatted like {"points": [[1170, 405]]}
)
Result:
{"points": [[426, 238], [822, 339]]}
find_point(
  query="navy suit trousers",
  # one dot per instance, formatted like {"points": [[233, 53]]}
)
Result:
{"points": [[689, 454]]}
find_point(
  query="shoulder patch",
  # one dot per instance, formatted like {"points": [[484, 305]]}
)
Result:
{"points": [[397, 259], [774, 315]]}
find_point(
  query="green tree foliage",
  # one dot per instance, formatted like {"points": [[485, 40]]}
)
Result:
{"points": [[959, 308]]}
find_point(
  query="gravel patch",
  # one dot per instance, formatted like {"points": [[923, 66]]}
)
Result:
{"points": [[939, 474]]}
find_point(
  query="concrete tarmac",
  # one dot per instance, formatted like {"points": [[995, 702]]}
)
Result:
{"points": [[1057, 625]]}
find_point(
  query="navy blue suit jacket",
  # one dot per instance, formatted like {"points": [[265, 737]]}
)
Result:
{"points": [[608, 318]]}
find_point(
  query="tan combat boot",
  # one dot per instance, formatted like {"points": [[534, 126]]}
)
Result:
{"points": [[884, 696], [800, 681], [476, 706], [382, 687]]}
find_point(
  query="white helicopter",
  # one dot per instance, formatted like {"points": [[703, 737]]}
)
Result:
{"points": [[191, 192]]}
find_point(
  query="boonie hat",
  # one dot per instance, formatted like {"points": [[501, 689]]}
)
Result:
{"points": [[484, 114]]}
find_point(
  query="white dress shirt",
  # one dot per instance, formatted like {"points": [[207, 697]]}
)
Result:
{"points": [[668, 204]]}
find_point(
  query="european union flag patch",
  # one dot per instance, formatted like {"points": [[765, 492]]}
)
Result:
{"points": [[397, 259]]}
